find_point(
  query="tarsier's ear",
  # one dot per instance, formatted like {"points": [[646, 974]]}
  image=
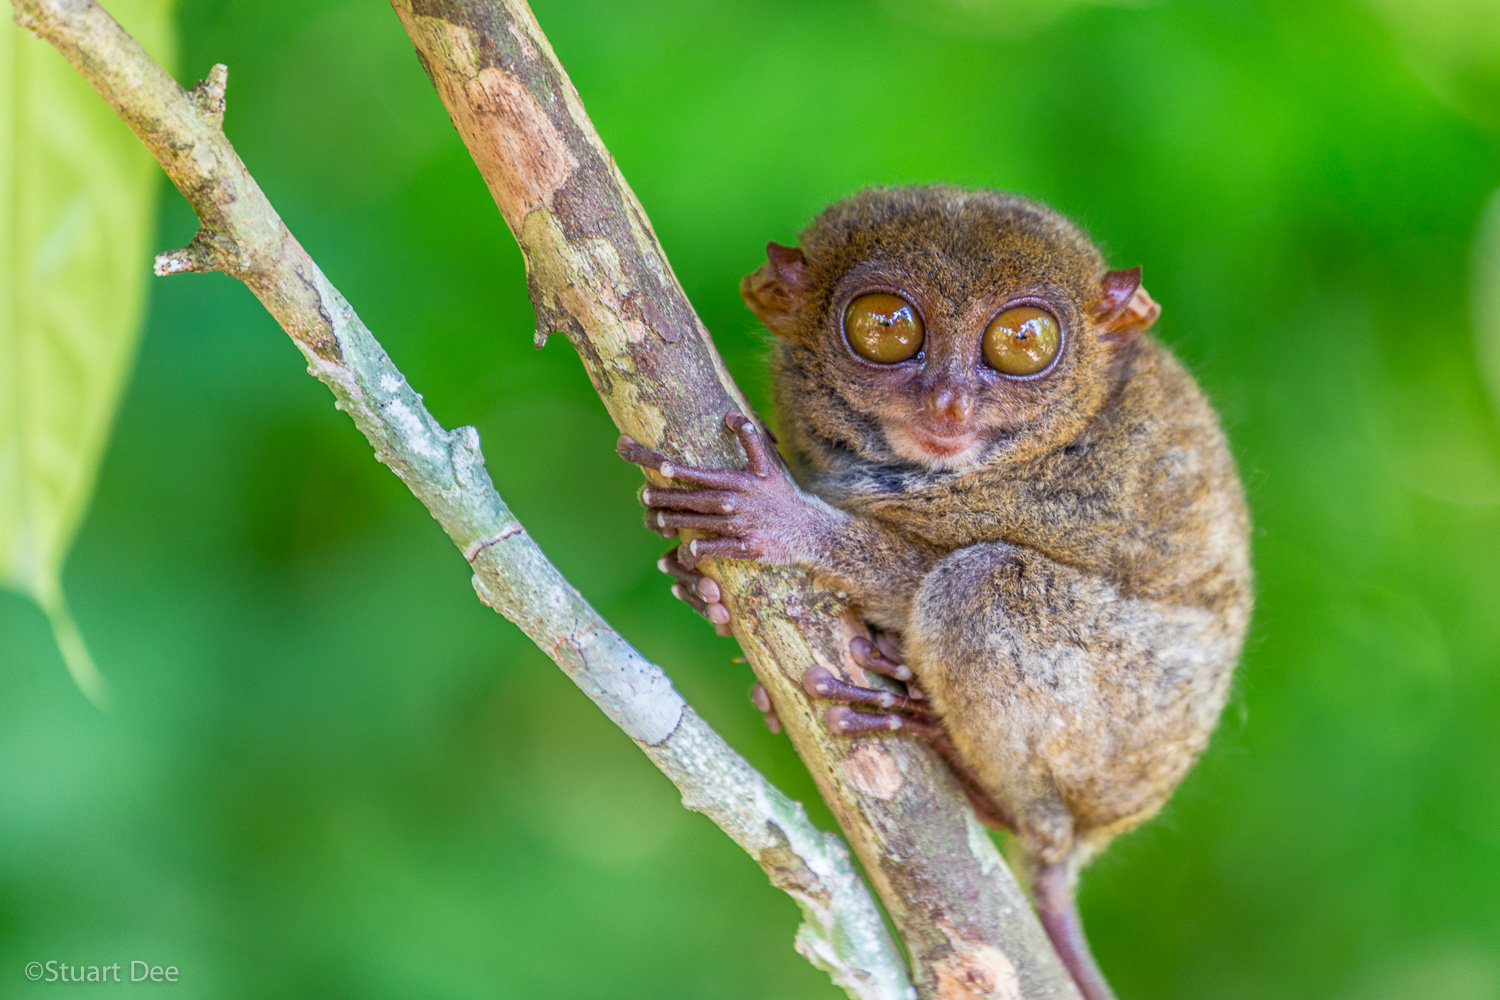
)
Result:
{"points": [[1125, 310], [774, 290]]}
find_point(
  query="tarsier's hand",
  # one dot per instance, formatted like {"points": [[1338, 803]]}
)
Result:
{"points": [[756, 512]]}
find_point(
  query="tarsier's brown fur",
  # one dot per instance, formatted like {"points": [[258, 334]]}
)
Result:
{"points": [[1071, 578]]}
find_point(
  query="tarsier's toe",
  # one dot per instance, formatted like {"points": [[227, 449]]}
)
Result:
{"points": [[655, 522], [845, 721], [819, 681], [889, 644], [761, 699], [870, 656]]}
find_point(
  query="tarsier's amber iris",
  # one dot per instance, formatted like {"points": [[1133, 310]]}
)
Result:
{"points": [[883, 328], [1021, 341]]}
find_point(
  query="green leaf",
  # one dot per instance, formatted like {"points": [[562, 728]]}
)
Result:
{"points": [[77, 213]]}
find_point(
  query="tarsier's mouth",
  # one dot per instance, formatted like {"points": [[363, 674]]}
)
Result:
{"points": [[943, 444], [933, 449]]}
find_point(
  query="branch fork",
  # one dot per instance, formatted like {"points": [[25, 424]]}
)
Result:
{"points": [[204, 252]]}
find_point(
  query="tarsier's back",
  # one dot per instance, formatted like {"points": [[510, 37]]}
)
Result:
{"points": [[1031, 502]]}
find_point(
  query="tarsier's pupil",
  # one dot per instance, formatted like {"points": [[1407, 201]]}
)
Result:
{"points": [[1021, 341], [883, 328]]}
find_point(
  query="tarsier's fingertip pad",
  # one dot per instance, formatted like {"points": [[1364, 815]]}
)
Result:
{"points": [[718, 614], [840, 719], [818, 681], [759, 697]]}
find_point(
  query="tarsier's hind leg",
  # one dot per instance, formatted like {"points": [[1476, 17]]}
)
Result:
{"points": [[1081, 707]]}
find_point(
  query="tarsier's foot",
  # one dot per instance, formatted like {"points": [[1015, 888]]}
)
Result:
{"points": [[904, 713]]}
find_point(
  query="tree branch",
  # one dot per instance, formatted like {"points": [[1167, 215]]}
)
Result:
{"points": [[842, 931], [597, 273]]}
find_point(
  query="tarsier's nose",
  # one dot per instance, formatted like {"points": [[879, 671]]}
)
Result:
{"points": [[950, 402]]}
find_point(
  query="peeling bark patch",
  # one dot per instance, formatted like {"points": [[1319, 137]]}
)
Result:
{"points": [[872, 771], [976, 972], [540, 161], [590, 206]]}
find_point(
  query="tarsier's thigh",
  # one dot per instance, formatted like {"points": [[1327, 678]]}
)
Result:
{"points": [[1079, 708]]}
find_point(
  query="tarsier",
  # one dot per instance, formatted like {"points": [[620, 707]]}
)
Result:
{"points": [[1031, 503]]}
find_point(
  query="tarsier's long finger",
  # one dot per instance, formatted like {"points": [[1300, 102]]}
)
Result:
{"points": [[868, 655], [702, 501], [636, 453], [820, 682], [714, 548], [669, 565], [717, 614], [669, 519], [761, 699], [655, 525], [751, 440], [684, 593]]}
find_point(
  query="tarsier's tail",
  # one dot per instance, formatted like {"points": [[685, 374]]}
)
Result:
{"points": [[1052, 887]]}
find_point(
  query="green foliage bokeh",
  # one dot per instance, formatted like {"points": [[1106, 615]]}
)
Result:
{"points": [[330, 772]]}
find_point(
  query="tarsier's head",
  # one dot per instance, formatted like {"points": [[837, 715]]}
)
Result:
{"points": [[943, 328]]}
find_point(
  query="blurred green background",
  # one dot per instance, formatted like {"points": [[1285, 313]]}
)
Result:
{"points": [[330, 772]]}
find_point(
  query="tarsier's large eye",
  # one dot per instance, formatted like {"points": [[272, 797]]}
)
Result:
{"points": [[883, 328], [1021, 341]]}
